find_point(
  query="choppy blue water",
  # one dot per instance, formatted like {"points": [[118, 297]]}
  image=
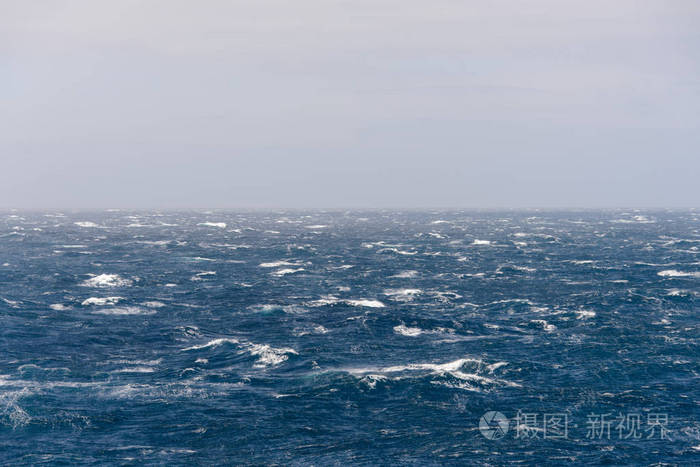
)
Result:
{"points": [[350, 338]]}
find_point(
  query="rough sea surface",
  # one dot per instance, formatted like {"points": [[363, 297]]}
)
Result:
{"points": [[350, 338]]}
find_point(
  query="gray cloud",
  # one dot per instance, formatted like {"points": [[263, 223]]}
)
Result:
{"points": [[349, 103]]}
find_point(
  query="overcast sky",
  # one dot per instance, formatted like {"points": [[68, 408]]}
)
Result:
{"points": [[354, 103]]}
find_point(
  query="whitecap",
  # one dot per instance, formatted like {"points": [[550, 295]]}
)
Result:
{"points": [[544, 325], [268, 355], [403, 294], [481, 242], [320, 226], [86, 224], [59, 307], [365, 303], [676, 273], [397, 251], [101, 301], [200, 275], [134, 369], [277, 264], [214, 343], [123, 311], [285, 271], [221, 225], [406, 331], [317, 329], [410, 274], [454, 368], [107, 280]]}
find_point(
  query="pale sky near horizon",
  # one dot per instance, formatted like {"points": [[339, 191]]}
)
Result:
{"points": [[355, 103]]}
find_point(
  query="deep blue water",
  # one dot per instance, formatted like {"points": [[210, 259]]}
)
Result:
{"points": [[362, 338]]}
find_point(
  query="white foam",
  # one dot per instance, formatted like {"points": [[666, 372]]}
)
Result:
{"points": [[269, 355], [277, 264], [453, 368], [285, 271], [10, 408], [153, 304], [410, 274], [214, 343], [86, 224], [676, 273], [318, 329], [137, 362], [372, 380], [319, 226], [123, 311], [365, 303], [403, 294], [331, 300], [584, 314], [198, 276], [101, 301], [680, 293], [481, 242], [107, 280], [397, 251], [406, 331], [59, 307], [544, 324], [221, 225], [134, 369]]}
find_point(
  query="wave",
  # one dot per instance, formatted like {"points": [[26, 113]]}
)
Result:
{"points": [[408, 332], [101, 301], [402, 294], [267, 355], [544, 325], [365, 303], [200, 275], [221, 225], [273, 307], [481, 242], [584, 314], [285, 271], [86, 224], [410, 274], [676, 273], [123, 311], [134, 369], [397, 251], [317, 329], [467, 370], [277, 264], [107, 280], [332, 300]]}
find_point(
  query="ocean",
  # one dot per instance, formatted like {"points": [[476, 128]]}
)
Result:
{"points": [[350, 338]]}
